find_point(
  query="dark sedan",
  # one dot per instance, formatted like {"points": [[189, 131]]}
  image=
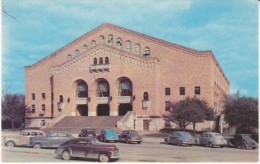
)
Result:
{"points": [[88, 132], [89, 148], [243, 141], [129, 136], [52, 139]]}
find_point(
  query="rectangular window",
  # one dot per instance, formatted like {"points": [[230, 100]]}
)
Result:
{"points": [[33, 108], [167, 105], [197, 90], [33, 96], [43, 96], [43, 107], [52, 96], [167, 91], [182, 90]]}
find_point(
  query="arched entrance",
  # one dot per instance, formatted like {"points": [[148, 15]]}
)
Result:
{"points": [[125, 96], [103, 98], [82, 97]]}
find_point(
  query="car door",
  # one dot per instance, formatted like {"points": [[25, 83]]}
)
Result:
{"points": [[203, 139], [79, 148], [52, 140], [24, 138], [62, 137]]}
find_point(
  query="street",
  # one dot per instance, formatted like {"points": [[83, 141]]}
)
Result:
{"points": [[151, 150]]}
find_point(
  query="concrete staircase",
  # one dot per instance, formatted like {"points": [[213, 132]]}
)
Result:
{"points": [[74, 124]]}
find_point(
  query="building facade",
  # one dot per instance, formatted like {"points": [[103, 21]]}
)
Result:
{"points": [[111, 70]]}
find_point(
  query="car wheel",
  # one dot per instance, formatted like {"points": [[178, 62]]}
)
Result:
{"points": [[128, 142], [221, 146], [244, 146], [179, 144], [10, 144], [210, 145], [66, 155], [103, 158], [139, 142], [37, 146]]}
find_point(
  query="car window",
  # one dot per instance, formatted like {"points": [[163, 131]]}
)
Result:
{"points": [[33, 134], [63, 135], [26, 134], [40, 134], [210, 135], [53, 135]]}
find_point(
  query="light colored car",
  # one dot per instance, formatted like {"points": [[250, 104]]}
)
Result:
{"points": [[23, 138], [212, 139], [180, 138], [52, 139]]}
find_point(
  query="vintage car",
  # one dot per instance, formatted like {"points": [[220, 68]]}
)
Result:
{"points": [[22, 139], [89, 148], [108, 135], [243, 141], [130, 136], [51, 140], [212, 139], [88, 132], [180, 138]]}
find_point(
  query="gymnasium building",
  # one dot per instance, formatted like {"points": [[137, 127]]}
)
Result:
{"points": [[113, 72]]}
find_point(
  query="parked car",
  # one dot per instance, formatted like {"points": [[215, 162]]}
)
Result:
{"points": [[22, 139], [52, 139], [212, 139], [180, 138], [88, 132], [89, 148], [243, 141], [129, 136], [108, 135]]}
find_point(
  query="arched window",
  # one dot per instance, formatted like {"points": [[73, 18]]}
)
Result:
{"points": [[110, 39], [76, 52], [146, 96], [106, 60], [100, 60], [82, 90], [103, 89], [61, 98], [125, 88], [101, 39], [85, 48], [93, 43], [147, 51], [95, 61], [138, 49], [128, 45], [119, 43], [69, 56]]}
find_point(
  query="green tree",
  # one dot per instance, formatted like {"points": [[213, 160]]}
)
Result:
{"points": [[14, 109], [190, 111], [242, 113]]}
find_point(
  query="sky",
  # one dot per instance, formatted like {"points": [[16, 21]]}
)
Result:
{"points": [[37, 28]]}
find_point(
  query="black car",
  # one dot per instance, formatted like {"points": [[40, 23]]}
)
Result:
{"points": [[129, 136], [88, 132], [243, 141]]}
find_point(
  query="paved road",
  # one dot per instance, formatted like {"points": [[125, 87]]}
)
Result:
{"points": [[149, 151]]}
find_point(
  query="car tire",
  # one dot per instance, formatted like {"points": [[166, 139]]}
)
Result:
{"points": [[127, 142], [37, 146], [103, 158], [10, 144], [65, 155], [210, 145], [139, 142], [179, 144]]}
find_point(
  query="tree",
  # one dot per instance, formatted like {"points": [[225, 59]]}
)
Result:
{"points": [[190, 111], [242, 113], [14, 109]]}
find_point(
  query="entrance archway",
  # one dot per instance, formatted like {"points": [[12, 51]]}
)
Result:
{"points": [[103, 110], [124, 108], [82, 110]]}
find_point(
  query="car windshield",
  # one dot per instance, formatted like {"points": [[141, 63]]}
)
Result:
{"points": [[246, 137]]}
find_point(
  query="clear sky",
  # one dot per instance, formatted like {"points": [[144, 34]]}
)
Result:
{"points": [[228, 28]]}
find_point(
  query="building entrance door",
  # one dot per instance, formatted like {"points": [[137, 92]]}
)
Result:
{"points": [[103, 110], [124, 108], [82, 110], [146, 124]]}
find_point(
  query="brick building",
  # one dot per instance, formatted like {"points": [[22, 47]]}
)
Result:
{"points": [[112, 71]]}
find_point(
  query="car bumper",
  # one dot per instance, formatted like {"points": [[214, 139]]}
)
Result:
{"points": [[115, 155]]}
